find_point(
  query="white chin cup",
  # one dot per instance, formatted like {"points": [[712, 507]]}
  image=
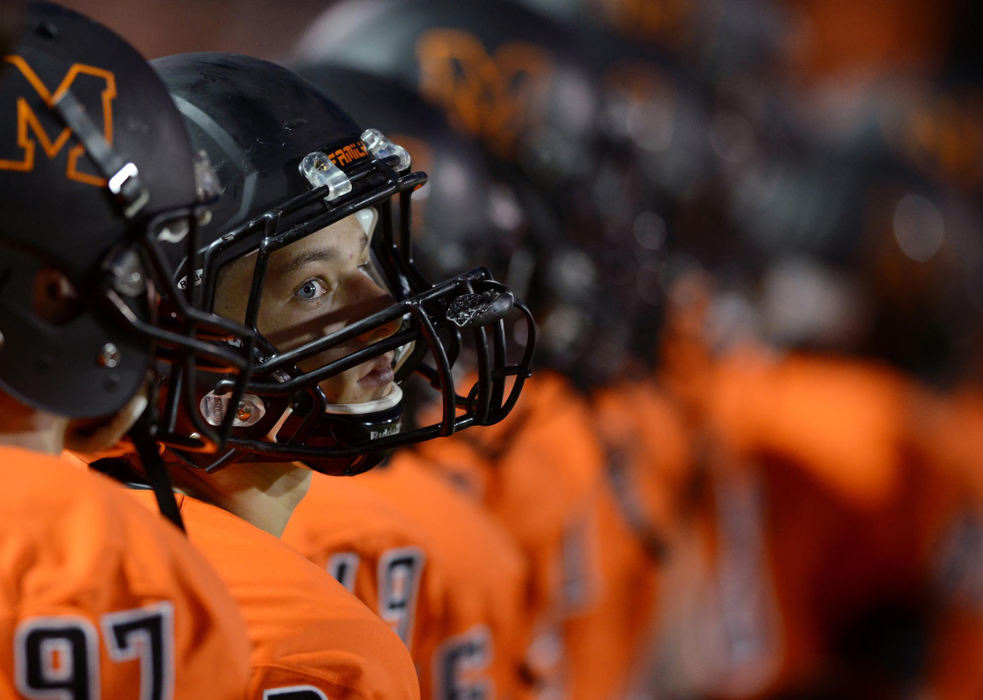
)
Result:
{"points": [[375, 406]]}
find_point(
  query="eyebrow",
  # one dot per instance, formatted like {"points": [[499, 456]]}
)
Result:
{"points": [[301, 259], [294, 262]]}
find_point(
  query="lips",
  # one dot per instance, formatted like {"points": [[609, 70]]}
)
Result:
{"points": [[380, 371]]}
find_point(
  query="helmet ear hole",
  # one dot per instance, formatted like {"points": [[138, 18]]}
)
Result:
{"points": [[56, 301]]}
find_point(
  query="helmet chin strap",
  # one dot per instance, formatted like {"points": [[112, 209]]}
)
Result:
{"points": [[142, 435], [122, 176]]}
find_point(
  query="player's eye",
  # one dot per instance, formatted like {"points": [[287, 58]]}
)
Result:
{"points": [[311, 289]]}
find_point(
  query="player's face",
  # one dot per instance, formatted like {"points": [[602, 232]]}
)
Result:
{"points": [[316, 286]]}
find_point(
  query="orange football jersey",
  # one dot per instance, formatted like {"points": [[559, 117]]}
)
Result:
{"points": [[310, 638], [537, 473], [953, 436], [102, 599], [372, 549], [471, 633], [828, 525], [647, 478]]}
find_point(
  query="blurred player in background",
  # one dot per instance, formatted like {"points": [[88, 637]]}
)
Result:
{"points": [[101, 597], [804, 194], [840, 552]]}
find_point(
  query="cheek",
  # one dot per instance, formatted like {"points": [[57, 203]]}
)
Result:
{"points": [[341, 387], [277, 327], [289, 326], [328, 356], [230, 301]]}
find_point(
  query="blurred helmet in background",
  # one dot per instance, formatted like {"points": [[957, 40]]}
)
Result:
{"points": [[865, 256], [691, 132], [504, 74]]}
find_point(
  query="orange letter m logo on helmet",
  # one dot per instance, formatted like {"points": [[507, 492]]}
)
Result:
{"points": [[30, 132]]}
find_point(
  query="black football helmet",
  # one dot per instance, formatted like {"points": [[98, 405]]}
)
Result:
{"points": [[99, 188], [291, 162]]}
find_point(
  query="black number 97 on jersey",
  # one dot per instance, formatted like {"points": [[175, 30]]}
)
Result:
{"points": [[57, 657]]}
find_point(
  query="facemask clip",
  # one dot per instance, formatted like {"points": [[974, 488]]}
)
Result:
{"points": [[320, 171]]}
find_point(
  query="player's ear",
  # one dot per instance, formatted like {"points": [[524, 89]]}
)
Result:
{"points": [[103, 437]]}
